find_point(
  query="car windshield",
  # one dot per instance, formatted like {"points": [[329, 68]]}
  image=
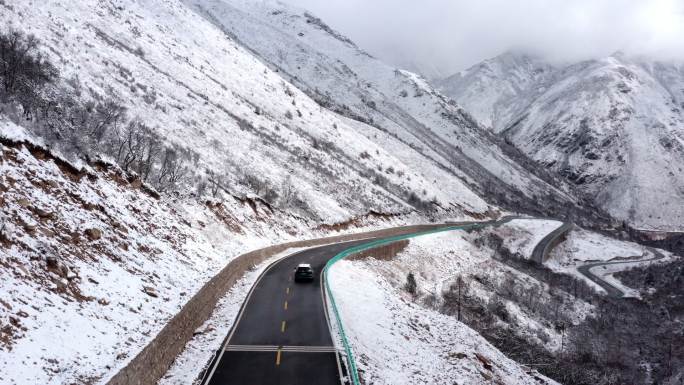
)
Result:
{"points": [[303, 269]]}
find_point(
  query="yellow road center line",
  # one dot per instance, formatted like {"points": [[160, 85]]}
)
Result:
{"points": [[278, 358], [285, 305], [282, 327], [287, 291]]}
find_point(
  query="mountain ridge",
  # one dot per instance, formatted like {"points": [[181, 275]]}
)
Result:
{"points": [[396, 105], [611, 126]]}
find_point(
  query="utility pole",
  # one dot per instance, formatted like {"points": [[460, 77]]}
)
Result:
{"points": [[561, 328]]}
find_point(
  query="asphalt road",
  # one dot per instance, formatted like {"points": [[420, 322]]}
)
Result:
{"points": [[541, 251], [282, 335], [586, 270]]}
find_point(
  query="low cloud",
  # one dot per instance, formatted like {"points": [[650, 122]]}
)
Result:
{"points": [[444, 36]]}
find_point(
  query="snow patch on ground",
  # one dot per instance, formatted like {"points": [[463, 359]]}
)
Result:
{"points": [[396, 341], [436, 259], [586, 246]]}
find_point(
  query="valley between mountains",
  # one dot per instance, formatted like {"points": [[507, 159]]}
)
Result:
{"points": [[166, 164]]}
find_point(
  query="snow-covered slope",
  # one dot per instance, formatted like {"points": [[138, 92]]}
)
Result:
{"points": [[614, 127], [202, 91], [94, 265], [398, 342], [402, 110], [464, 275]]}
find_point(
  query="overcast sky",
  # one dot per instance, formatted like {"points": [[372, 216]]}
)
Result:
{"points": [[445, 36]]}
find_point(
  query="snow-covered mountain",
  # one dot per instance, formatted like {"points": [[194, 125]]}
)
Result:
{"points": [[614, 126], [401, 111], [491, 90], [95, 263], [286, 126], [204, 92]]}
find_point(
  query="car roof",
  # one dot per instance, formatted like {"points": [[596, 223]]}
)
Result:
{"points": [[304, 265]]}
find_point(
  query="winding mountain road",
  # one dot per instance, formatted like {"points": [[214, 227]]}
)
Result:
{"points": [[610, 289], [541, 251], [282, 333]]}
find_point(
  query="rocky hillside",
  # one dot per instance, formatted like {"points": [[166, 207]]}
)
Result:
{"points": [[614, 127], [94, 263]]}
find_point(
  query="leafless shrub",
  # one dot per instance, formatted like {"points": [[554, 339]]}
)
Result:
{"points": [[136, 148], [21, 64], [171, 171], [23, 70], [411, 285]]}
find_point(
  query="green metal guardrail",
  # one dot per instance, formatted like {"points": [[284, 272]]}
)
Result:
{"points": [[351, 364]]}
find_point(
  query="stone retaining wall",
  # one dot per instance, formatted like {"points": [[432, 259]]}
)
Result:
{"points": [[560, 237], [383, 253], [155, 359]]}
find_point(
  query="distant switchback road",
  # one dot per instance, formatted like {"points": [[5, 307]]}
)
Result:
{"points": [[610, 289], [541, 253]]}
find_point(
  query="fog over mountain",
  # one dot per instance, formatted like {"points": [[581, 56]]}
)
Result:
{"points": [[440, 37]]}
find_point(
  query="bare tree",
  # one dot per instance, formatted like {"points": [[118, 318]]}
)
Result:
{"points": [[411, 285], [136, 148], [171, 171], [83, 129], [287, 192], [105, 117], [23, 69]]}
